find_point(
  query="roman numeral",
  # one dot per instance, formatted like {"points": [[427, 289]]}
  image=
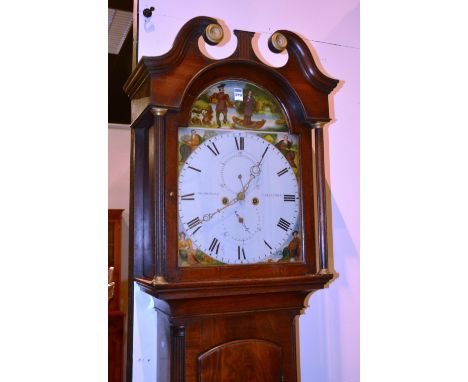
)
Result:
{"points": [[265, 151], [214, 244], [194, 232], [289, 198], [195, 169], [193, 223], [240, 144], [188, 197], [239, 250], [282, 172], [268, 245], [214, 150], [283, 224]]}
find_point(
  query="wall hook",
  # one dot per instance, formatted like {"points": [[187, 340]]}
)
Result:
{"points": [[148, 12]]}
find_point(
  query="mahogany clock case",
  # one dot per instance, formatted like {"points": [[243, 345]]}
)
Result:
{"points": [[215, 317]]}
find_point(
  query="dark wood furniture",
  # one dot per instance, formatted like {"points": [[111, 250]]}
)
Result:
{"points": [[115, 345], [115, 316], [114, 243], [223, 323]]}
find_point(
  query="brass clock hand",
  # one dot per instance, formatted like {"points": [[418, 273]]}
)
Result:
{"points": [[241, 220], [208, 217], [254, 172]]}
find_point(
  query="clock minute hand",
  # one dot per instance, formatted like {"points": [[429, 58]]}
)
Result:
{"points": [[255, 171], [208, 217]]}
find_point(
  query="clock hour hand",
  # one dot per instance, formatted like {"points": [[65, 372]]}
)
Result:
{"points": [[240, 179]]}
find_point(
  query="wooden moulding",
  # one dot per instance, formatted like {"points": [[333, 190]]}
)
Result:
{"points": [[180, 65], [236, 286], [201, 299]]}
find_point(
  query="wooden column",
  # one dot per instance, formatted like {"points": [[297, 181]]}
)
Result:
{"points": [[178, 354], [157, 145], [321, 197]]}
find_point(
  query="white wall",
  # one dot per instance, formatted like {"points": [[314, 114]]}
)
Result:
{"points": [[119, 192], [118, 197], [329, 329]]}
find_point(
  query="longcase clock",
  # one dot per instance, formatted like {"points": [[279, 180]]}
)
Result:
{"points": [[228, 226]]}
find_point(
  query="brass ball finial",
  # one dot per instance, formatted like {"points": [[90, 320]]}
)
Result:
{"points": [[278, 42], [213, 34]]}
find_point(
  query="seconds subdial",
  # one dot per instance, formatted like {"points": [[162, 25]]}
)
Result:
{"points": [[241, 224]]}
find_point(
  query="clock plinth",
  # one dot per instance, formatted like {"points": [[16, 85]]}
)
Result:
{"points": [[227, 211], [232, 331]]}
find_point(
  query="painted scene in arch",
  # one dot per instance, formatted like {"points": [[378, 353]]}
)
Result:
{"points": [[234, 104]]}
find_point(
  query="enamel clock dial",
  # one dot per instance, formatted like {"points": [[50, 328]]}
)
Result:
{"points": [[238, 191]]}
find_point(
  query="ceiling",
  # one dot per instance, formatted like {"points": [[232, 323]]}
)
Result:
{"points": [[120, 37], [119, 23]]}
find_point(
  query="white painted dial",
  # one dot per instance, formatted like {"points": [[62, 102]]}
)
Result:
{"points": [[238, 198]]}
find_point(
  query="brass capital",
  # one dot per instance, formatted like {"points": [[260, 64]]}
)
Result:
{"points": [[279, 41], [214, 33], [158, 280], [110, 290], [318, 125], [159, 111]]}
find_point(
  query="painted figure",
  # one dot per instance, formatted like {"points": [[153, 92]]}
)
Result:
{"points": [[285, 145], [249, 105], [222, 103], [207, 116], [294, 247], [292, 251], [189, 145], [194, 140], [249, 108], [186, 251]]}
